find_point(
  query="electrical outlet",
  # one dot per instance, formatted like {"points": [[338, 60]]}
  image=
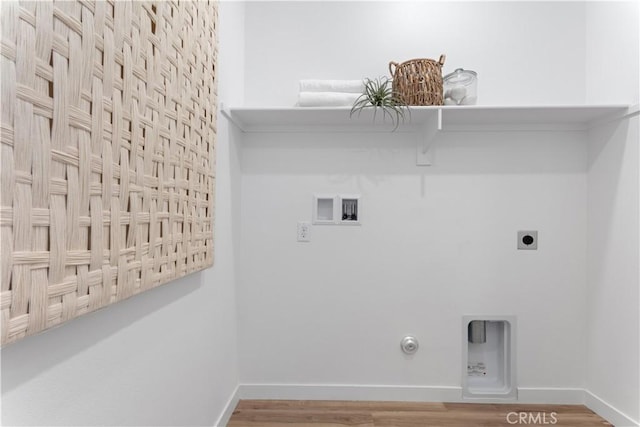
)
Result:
{"points": [[528, 240], [304, 231]]}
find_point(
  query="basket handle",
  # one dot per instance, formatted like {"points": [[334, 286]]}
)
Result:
{"points": [[441, 60], [394, 64]]}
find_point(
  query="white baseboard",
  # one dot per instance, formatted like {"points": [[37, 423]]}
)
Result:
{"points": [[551, 396], [228, 409], [607, 411], [564, 396], [350, 392]]}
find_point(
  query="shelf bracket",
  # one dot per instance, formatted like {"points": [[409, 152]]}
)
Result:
{"points": [[428, 135]]}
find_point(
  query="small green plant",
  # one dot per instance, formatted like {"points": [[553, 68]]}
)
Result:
{"points": [[379, 93]]}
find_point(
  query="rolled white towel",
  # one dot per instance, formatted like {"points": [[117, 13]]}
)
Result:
{"points": [[347, 86], [326, 99]]}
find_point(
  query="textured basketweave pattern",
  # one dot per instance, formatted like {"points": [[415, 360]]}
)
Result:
{"points": [[107, 152], [418, 81]]}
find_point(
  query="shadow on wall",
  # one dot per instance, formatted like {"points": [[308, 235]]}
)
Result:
{"points": [[608, 146], [380, 154], [29, 357], [601, 137], [234, 152]]}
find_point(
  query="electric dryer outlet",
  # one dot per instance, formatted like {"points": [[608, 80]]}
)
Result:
{"points": [[527, 240]]}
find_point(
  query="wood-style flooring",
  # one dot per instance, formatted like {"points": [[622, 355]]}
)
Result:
{"points": [[302, 413]]}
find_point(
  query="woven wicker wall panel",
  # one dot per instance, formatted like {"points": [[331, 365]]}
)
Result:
{"points": [[107, 153]]}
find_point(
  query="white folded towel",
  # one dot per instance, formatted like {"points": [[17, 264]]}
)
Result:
{"points": [[326, 99], [348, 86]]}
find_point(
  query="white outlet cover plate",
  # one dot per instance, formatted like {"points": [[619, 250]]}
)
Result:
{"points": [[304, 231]]}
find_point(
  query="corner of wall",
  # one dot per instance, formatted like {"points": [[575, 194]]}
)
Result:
{"points": [[612, 55], [231, 67]]}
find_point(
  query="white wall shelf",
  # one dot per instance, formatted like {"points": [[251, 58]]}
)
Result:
{"points": [[476, 117], [429, 120], [321, 119]]}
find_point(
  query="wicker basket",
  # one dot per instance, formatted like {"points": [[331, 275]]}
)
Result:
{"points": [[418, 81]]}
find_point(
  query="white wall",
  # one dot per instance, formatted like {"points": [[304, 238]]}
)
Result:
{"points": [[161, 358], [613, 350], [436, 243], [165, 357], [613, 372], [612, 52], [524, 52]]}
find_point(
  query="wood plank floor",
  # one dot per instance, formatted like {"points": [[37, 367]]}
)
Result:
{"points": [[302, 413]]}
